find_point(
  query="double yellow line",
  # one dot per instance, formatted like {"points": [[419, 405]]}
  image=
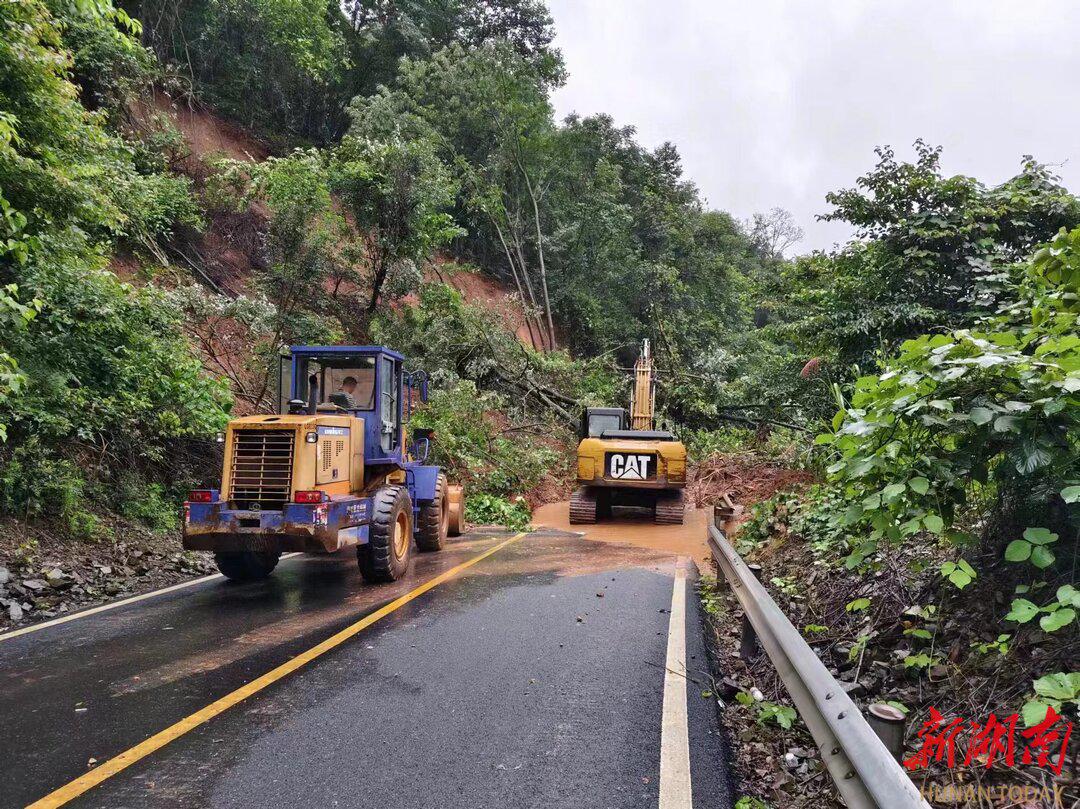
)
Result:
{"points": [[104, 771]]}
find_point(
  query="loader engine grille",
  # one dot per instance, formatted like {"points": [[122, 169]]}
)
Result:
{"points": [[261, 475]]}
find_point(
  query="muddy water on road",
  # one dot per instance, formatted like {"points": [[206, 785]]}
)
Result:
{"points": [[636, 528]]}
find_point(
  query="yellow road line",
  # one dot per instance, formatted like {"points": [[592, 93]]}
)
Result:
{"points": [[26, 630], [74, 789]]}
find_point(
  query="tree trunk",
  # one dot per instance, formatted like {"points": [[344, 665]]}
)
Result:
{"points": [[376, 283], [517, 282], [528, 284], [540, 255]]}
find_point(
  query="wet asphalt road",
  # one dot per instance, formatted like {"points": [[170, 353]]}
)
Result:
{"points": [[486, 690]]}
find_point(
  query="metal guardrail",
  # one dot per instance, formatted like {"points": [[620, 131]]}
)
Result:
{"points": [[864, 771]]}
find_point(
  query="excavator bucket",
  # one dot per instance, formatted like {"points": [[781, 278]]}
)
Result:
{"points": [[456, 497]]}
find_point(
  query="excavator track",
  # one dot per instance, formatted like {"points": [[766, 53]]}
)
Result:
{"points": [[583, 506], [671, 509]]}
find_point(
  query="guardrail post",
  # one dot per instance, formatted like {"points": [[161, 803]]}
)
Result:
{"points": [[748, 643], [889, 725]]}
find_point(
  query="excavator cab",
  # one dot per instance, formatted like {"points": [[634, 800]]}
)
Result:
{"points": [[595, 421]]}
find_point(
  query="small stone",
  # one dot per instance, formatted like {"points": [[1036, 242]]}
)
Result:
{"points": [[790, 761], [5, 575], [34, 584], [854, 689], [599, 595], [580, 620], [15, 612]]}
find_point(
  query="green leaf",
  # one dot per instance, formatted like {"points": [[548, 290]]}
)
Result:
{"points": [[981, 415], [1034, 712], [1021, 611], [1040, 536], [934, 523], [921, 485], [1006, 424], [1018, 550], [857, 605], [1068, 595], [892, 491], [1056, 620], [1042, 557], [918, 661], [1056, 686], [1071, 494]]}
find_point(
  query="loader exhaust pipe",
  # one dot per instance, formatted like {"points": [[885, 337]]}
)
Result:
{"points": [[313, 394]]}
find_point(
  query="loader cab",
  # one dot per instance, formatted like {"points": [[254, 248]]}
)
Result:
{"points": [[362, 381], [595, 421]]}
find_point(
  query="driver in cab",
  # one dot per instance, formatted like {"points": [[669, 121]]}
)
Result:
{"points": [[345, 396]]}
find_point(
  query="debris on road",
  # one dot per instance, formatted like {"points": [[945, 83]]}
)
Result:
{"points": [[43, 576]]}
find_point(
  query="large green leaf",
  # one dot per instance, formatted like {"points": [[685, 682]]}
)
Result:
{"points": [[1056, 686], [1034, 712], [921, 485], [1019, 550], [1040, 536], [1069, 595], [934, 523], [1022, 611], [1042, 557], [1057, 619]]}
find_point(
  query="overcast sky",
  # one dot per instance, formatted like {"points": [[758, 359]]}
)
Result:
{"points": [[776, 102]]}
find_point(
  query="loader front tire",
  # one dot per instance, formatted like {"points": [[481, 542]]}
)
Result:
{"points": [[247, 565], [433, 522], [386, 555]]}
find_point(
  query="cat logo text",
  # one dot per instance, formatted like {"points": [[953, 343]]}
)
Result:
{"points": [[631, 466]]}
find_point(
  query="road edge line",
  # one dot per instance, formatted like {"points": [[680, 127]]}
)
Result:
{"points": [[104, 771], [675, 786], [111, 605]]}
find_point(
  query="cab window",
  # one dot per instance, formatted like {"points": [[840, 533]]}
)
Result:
{"points": [[600, 422], [345, 381]]}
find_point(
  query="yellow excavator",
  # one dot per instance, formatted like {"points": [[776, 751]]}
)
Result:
{"points": [[629, 464]]}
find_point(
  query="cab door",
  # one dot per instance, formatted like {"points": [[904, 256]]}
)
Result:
{"points": [[389, 405]]}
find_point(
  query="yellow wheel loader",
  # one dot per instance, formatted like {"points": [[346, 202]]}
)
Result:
{"points": [[331, 470], [625, 462]]}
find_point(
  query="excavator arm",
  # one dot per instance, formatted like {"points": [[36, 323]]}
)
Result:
{"points": [[643, 395]]}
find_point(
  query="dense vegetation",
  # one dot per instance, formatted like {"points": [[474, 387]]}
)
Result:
{"points": [[935, 356]]}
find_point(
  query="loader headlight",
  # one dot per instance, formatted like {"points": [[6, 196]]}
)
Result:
{"points": [[312, 438]]}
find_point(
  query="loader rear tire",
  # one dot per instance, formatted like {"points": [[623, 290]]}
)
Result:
{"points": [[247, 565], [433, 522], [670, 508], [456, 494], [385, 557], [583, 506]]}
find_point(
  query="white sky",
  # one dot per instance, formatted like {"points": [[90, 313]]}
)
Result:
{"points": [[776, 102]]}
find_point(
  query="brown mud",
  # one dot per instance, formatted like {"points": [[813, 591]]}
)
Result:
{"points": [[636, 528]]}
